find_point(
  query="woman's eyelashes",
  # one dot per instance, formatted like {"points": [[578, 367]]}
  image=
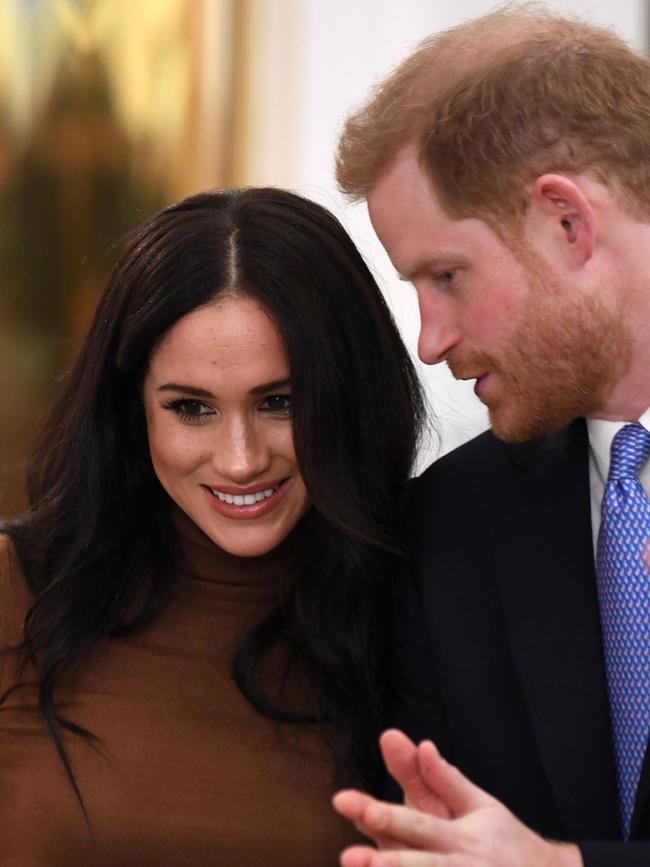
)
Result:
{"points": [[277, 404], [191, 411]]}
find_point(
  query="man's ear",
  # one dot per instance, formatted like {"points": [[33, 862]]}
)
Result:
{"points": [[561, 222]]}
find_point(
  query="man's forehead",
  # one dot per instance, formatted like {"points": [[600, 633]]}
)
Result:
{"points": [[402, 172], [412, 227]]}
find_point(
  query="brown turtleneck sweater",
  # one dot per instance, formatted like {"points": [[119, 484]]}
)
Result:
{"points": [[186, 773]]}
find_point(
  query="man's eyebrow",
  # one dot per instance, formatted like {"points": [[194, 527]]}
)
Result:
{"points": [[437, 262], [431, 263], [195, 391]]}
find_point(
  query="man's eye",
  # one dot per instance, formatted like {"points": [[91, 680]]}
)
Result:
{"points": [[191, 411], [445, 281], [279, 404]]}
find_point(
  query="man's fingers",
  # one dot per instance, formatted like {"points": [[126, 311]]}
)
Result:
{"points": [[352, 804], [362, 856], [459, 794], [381, 841], [400, 755], [357, 856], [401, 758], [389, 822], [414, 829]]}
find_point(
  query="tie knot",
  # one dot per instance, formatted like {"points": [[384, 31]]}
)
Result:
{"points": [[629, 452]]}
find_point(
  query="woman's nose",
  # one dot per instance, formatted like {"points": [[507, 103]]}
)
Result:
{"points": [[240, 452]]}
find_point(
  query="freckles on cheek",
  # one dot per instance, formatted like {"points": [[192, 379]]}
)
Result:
{"points": [[170, 450], [284, 445], [178, 458]]}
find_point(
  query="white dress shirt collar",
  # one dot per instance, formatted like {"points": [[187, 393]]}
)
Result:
{"points": [[601, 434]]}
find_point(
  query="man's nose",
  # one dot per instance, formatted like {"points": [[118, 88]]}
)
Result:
{"points": [[439, 333], [241, 453]]}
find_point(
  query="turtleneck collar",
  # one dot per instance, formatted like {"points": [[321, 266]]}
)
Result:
{"points": [[208, 562]]}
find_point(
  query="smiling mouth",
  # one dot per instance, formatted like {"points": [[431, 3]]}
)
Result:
{"points": [[254, 502], [248, 499]]}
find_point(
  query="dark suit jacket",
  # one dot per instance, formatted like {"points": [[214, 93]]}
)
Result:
{"points": [[498, 643]]}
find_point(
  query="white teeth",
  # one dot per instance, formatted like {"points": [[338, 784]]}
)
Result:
{"points": [[245, 499]]}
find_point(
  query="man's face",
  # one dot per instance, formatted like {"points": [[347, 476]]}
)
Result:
{"points": [[542, 351]]}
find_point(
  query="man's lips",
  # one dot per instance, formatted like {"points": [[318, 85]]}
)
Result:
{"points": [[479, 367], [465, 375], [481, 384]]}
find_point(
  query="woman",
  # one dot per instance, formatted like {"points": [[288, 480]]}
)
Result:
{"points": [[202, 572]]}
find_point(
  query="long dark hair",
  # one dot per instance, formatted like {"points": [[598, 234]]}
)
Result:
{"points": [[357, 410]]}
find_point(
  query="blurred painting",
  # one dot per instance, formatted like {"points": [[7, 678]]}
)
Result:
{"points": [[109, 110]]}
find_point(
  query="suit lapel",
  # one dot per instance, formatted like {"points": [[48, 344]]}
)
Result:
{"points": [[544, 559]]}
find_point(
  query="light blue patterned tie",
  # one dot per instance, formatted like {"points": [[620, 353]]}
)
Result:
{"points": [[624, 596]]}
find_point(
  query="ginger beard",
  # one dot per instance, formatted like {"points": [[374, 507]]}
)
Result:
{"points": [[562, 359]]}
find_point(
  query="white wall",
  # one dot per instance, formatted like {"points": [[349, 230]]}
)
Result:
{"points": [[335, 51]]}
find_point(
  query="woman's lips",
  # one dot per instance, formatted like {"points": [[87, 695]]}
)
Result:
{"points": [[239, 510]]}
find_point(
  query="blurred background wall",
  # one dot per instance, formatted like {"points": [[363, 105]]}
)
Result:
{"points": [[110, 109]]}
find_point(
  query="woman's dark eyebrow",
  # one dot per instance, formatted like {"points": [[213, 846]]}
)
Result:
{"points": [[274, 385], [194, 391], [186, 389]]}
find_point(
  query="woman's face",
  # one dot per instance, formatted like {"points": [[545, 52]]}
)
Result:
{"points": [[218, 407]]}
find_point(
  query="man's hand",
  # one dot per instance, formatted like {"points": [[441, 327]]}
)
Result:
{"points": [[448, 821]]}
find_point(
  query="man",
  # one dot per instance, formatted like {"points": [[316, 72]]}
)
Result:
{"points": [[506, 166]]}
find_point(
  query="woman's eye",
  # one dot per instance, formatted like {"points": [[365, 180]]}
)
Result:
{"points": [[191, 411], [278, 404]]}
